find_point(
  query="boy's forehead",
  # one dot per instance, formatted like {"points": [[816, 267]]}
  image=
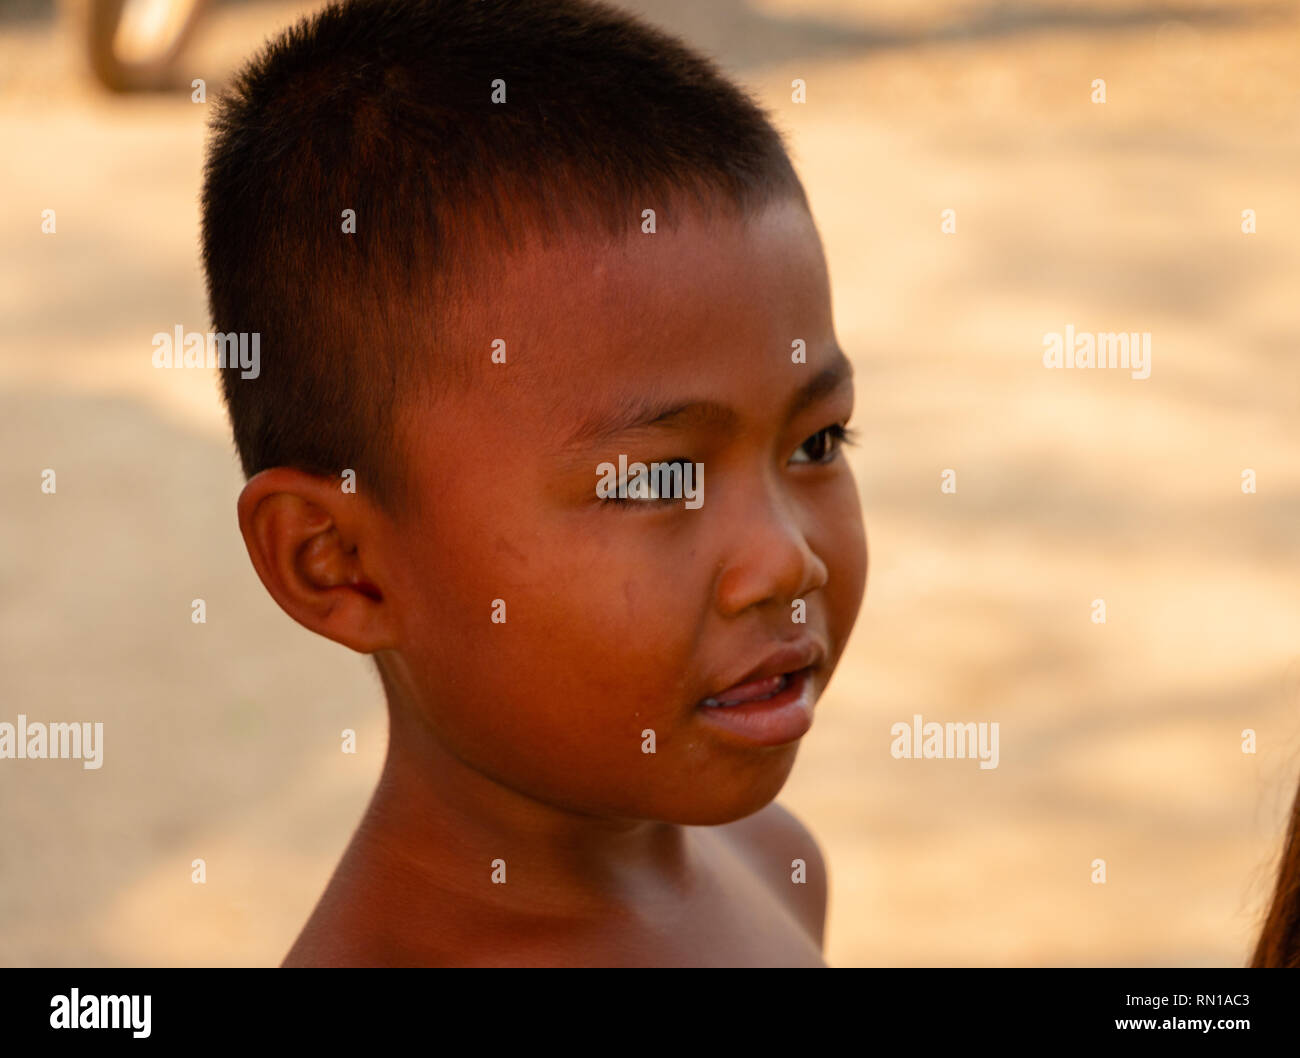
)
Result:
{"points": [[693, 325], [583, 316]]}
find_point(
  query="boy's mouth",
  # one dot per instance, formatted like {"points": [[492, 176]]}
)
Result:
{"points": [[772, 704], [753, 691], [773, 711], [770, 676]]}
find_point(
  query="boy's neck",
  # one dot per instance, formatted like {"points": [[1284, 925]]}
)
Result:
{"points": [[447, 826]]}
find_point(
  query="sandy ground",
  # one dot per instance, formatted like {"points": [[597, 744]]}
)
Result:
{"points": [[1119, 741]]}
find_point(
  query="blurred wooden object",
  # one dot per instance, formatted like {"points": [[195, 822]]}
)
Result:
{"points": [[134, 45]]}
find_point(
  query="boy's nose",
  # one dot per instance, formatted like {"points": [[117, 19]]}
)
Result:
{"points": [[767, 560]]}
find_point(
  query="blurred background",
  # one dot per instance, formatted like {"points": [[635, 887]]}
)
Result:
{"points": [[1119, 741]]}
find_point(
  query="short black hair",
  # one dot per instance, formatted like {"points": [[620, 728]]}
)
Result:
{"points": [[385, 107]]}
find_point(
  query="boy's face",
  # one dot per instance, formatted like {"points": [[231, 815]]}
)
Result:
{"points": [[622, 617]]}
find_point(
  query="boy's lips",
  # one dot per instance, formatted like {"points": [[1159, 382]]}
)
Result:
{"points": [[763, 679], [753, 691], [772, 704]]}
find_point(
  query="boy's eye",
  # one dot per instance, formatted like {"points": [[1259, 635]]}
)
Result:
{"points": [[652, 497], [822, 446]]}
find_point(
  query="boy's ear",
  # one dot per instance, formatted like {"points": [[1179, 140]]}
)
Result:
{"points": [[314, 547]]}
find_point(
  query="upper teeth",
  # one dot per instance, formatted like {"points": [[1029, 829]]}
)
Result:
{"points": [[713, 703]]}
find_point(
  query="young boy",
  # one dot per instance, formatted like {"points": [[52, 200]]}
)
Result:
{"points": [[499, 253]]}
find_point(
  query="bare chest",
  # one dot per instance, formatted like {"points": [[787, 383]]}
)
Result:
{"points": [[731, 917]]}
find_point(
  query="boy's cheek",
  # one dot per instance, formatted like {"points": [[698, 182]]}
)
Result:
{"points": [[848, 576], [585, 647], [841, 543], [577, 732]]}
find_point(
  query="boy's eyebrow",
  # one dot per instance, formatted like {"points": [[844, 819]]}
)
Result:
{"points": [[638, 413]]}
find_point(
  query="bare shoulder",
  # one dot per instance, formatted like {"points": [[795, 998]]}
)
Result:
{"points": [[783, 850], [348, 927], [327, 942]]}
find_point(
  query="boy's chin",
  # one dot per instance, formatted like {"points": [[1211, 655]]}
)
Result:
{"points": [[720, 806]]}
